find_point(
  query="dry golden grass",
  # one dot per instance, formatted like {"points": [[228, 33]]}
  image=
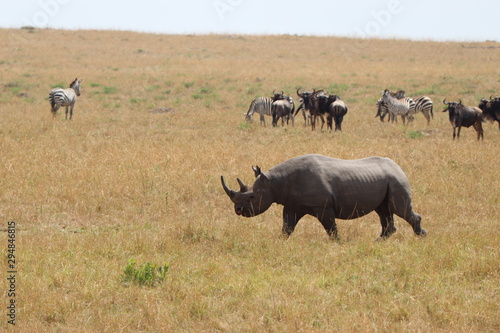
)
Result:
{"points": [[120, 182]]}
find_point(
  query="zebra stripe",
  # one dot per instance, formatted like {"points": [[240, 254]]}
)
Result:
{"points": [[423, 104], [404, 106], [65, 97], [261, 105]]}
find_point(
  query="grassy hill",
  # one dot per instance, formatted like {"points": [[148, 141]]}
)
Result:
{"points": [[136, 175]]}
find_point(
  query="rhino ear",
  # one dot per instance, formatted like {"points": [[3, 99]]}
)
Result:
{"points": [[256, 169], [243, 186]]}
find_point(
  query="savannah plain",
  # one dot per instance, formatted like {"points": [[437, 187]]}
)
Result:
{"points": [[136, 175]]}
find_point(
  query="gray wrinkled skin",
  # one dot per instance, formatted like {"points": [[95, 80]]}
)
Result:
{"points": [[329, 188]]}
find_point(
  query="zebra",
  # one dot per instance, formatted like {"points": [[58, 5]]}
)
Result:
{"points": [[423, 104], [261, 105], [404, 106], [65, 97], [382, 109]]}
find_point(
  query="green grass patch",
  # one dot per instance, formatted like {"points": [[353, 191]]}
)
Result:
{"points": [[144, 275], [109, 90]]}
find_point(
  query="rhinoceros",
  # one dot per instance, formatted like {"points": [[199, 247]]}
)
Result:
{"points": [[329, 188]]}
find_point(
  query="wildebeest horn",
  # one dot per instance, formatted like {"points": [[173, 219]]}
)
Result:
{"points": [[274, 91], [460, 101], [243, 187], [229, 192], [444, 102], [298, 94], [282, 92]]}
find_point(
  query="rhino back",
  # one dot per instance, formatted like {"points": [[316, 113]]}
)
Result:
{"points": [[353, 187]]}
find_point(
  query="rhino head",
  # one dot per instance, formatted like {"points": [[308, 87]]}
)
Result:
{"points": [[251, 200]]}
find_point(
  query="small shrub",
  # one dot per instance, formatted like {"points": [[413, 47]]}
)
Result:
{"points": [[109, 90], [245, 126], [415, 134], [145, 275]]}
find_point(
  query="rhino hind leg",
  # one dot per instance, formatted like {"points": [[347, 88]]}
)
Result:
{"points": [[402, 207], [386, 220]]}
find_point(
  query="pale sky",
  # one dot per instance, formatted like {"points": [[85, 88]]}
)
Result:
{"points": [[456, 20]]}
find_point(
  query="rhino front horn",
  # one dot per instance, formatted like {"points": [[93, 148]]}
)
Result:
{"points": [[229, 192]]}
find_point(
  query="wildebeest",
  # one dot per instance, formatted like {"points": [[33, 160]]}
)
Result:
{"points": [[336, 110], [319, 107], [491, 109], [65, 97], [305, 106], [282, 107], [329, 188], [464, 116]]}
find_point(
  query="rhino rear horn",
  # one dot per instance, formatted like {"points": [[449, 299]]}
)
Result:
{"points": [[243, 187], [229, 192]]}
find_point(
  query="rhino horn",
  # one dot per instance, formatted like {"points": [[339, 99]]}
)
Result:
{"points": [[243, 187], [229, 192]]}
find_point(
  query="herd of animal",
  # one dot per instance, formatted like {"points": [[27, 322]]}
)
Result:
{"points": [[318, 104], [325, 187]]}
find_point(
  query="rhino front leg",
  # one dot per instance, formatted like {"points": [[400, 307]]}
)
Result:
{"points": [[290, 220], [327, 218]]}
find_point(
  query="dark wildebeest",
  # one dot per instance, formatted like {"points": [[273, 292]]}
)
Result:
{"points": [[282, 107], [336, 110], [305, 106], [491, 109], [464, 116], [328, 189], [319, 107]]}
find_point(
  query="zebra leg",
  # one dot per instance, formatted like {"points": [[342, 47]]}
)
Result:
{"points": [[54, 111], [427, 116], [71, 112], [67, 107]]}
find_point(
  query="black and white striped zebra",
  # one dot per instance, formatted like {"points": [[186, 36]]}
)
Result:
{"points": [[423, 104], [261, 105], [382, 109], [404, 106], [65, 97]]}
